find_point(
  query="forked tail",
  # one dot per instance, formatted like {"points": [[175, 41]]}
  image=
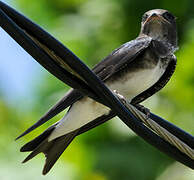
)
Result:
{"points": [[52, 149]]}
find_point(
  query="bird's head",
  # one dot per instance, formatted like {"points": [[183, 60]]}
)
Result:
{"points": [[160, 25]]}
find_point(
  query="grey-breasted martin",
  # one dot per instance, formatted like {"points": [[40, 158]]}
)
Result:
{"points": [[136, 70]]}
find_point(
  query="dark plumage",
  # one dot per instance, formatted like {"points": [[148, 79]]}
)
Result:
{"points": [[151, 52]]}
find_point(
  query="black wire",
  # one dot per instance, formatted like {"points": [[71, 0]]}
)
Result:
{"points": [[95, 88]]}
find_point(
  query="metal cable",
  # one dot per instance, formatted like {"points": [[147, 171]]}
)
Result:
{"points": [[159, 130]]}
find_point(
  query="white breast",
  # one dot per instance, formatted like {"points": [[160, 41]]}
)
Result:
{"points": [[135, 83]]}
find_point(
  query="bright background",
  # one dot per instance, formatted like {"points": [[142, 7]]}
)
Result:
{"points": [[91, 29]]}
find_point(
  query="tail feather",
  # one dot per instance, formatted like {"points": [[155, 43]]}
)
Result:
{"points": [[30, 146], [52, 149], [41, 148], [54, 152]]}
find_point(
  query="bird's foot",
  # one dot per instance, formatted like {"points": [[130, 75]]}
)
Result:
{"points": [[143, 109], [121, 97], [140, 107]]}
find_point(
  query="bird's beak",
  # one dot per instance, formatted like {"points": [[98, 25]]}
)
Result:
{"points": [[155, 18]]}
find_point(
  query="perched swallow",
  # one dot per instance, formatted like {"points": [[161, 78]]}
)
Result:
{"points": [[136, 70]]}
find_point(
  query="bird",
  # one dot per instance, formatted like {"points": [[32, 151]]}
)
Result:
{"points": [[136, 70]]}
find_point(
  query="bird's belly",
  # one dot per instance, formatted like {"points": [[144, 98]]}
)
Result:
{"points": [[86, 109], [81, 113], [134, 83]]}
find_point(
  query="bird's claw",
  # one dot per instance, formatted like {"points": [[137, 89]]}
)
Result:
{"points": [[143, 109], [121, 97]]}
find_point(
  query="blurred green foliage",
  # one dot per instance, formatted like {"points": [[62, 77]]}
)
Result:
{"points": [[92, 29]]}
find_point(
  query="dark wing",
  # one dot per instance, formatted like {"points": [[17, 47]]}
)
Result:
{"points": [[121, 57], [105, 69]]}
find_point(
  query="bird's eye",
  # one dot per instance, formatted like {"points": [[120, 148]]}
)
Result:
{"points": [[168, 16], [144, 17]]}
